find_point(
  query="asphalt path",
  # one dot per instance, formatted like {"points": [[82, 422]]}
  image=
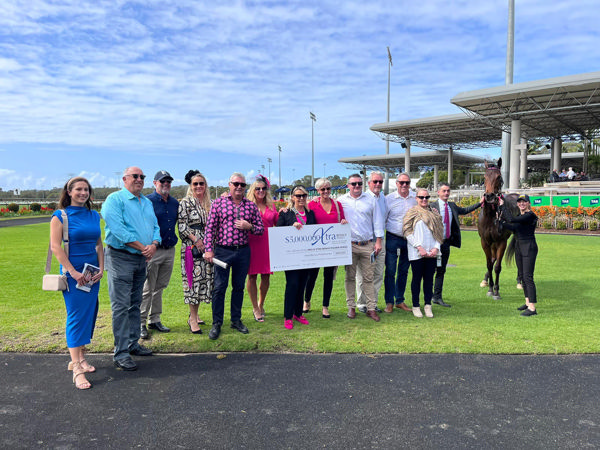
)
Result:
{"points": [[257, 401], [24, 221]]}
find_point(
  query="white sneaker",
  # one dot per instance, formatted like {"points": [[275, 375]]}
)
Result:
{"points": [[428, 311], [417, 312]]}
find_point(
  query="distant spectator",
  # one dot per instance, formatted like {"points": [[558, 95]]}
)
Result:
{"points": [[554, 177], [571, 174], [583, 176], [563, 175]]}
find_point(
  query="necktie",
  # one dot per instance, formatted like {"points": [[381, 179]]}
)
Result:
{"points": [[447, 221]]}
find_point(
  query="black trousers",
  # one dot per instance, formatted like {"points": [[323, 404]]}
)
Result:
{"points": [[328, 273], [422, 270], [527, 254], [295, 284], [441, 271]]}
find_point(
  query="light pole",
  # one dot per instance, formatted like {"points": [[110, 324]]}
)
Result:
{"points": [[387, 141], [279, 146], [263, 168], [313, 119], [269, 160], [118, 174]]}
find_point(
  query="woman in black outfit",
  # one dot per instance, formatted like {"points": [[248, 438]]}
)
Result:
{"points": [[527, 249], [296, 215]]}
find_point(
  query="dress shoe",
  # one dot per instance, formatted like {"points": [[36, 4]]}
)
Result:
{"points": [[362, 309], [144, 332], [214, 332], [439, 301], [288, 324], [529, 312], [301, 319], [140, 350], [127, 364], [238, 325], [373, 315], [522, 308], [389, 308], [378, 310], [351, 313], [403, 306], [159, 327], [198, 331], [428, 311], [417, 312]]}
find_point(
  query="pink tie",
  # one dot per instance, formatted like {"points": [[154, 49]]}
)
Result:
{"points": [[447, 221]]}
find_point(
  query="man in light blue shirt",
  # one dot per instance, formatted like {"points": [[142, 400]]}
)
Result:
{"points": [[132, 236]]}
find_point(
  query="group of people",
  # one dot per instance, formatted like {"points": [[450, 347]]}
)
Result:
{"points": [[229, 235], [569, 175]]}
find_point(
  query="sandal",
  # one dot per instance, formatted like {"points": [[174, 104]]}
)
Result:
{"points": [[259, 318], [201, 322], [77, 372]]}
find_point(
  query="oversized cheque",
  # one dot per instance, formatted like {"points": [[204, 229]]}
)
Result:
{"points": [[311, 246]]}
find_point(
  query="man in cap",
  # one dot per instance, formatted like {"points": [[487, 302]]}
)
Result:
{"points": [[160, 266]]}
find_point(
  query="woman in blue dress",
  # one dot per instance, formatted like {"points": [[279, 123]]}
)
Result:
{"points": [[85, 246]]}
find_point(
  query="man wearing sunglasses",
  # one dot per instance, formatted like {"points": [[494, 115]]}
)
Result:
{"points": [[160, 266], [132, 236], [230, 220], [375, 187], [449, 212], [366, 223], [396, 258]]}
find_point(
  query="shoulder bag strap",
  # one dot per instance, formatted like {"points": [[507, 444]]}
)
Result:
{"points": [[65, 238]]}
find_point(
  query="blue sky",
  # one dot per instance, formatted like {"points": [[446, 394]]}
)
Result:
{"points": [[90, 87]]}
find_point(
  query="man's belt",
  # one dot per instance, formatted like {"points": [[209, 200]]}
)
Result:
{"points": [[363, 242], [122, 250]]}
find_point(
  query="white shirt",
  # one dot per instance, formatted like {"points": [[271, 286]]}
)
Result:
{"points": [[443, 213], [397, 207], [381, 203], [364, 217], [422, 236]]}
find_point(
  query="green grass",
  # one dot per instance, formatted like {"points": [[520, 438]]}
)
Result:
{"points": [[567, 277]]}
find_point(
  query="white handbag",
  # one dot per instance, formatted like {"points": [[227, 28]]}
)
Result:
{"points": [[51, 282]]}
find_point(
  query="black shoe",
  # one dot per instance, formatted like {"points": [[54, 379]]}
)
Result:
{"points": [[528, 312], [439, 301], [377, 310], [362, 309], [144, 332], [238, 325], [159, 327], [140, 350], [214, 332], [127, 364], [522, 308]]}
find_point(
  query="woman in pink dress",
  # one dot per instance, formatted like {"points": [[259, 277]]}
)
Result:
{"points": [[327, 210], [259, 247]]}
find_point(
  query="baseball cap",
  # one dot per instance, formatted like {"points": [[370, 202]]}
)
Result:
{"points": [[523, 197], [161, 175]]}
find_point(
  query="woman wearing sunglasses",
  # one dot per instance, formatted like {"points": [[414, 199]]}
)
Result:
{"points": [[424, 232], [259, 247], [326, 210], [197, 274], [296, 215]]}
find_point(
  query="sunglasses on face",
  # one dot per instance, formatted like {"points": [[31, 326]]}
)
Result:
{"points": [[300, 195], [327, 189], [260, 189], [238, 184], [424, 197], [198, 183], [403, 183], [356, 183], [377, 181], [136, 176], [164, 181]]}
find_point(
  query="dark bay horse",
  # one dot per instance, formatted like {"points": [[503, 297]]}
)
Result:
{"points": [[493, 238]]}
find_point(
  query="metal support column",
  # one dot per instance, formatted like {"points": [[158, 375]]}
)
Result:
{"points": [[515, 157], [450, 165], [556, 154]]}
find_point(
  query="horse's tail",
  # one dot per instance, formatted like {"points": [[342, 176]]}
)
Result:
{"points": [[510, 250]]}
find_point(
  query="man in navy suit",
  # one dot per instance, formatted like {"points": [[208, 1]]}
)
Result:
{"points": [[449, 212]]}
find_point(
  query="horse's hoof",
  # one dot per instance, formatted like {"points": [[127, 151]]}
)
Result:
{"points": [[489, 294], [483, 283], [519, 286], [497, 297]]}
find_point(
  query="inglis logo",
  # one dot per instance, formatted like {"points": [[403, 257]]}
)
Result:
{"points": [[320, 235]]}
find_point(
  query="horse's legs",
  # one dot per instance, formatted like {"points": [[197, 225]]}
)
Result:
{"points": [[490, 266], [498, 268]]}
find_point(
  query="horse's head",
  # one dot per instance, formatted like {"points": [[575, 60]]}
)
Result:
{"points": [[493, 178]]}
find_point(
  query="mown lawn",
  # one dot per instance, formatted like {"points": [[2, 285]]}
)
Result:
{"points": [[567, 276]]}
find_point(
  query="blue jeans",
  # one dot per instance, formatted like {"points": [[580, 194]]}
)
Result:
{"points": [[126, 274], [239, 262], [395, 285]]}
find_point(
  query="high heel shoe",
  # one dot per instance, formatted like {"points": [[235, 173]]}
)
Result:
{"points": [[198, 331], [83, 363], [77, 372]]}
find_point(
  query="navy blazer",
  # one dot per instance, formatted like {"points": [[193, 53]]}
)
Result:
{"points": [[455, 239]]}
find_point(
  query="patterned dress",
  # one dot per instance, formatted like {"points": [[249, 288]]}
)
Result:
{"points": [[192, 215]]}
